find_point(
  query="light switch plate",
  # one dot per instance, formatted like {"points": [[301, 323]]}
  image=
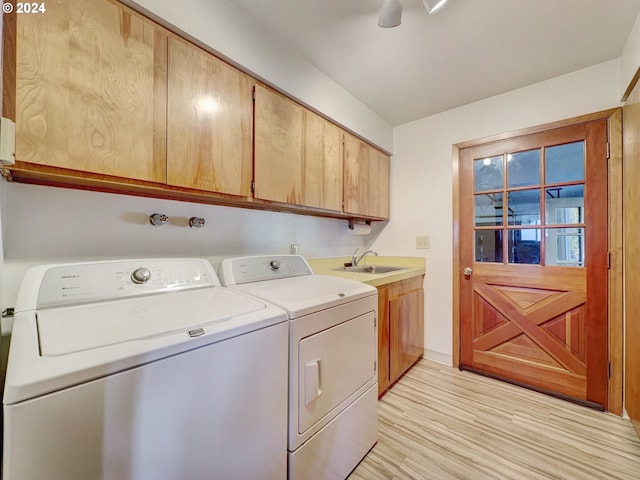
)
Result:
{"points": [[423, 242]]}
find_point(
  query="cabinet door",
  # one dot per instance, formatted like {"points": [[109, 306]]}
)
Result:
{"points": [[379, 173], [278, 147], [406, 336], [384, 379], [366, 179], [90, 90], [209, 122], [322, 174]]}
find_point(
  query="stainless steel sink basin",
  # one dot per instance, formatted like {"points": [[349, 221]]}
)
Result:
{"points": [[377, 269]]}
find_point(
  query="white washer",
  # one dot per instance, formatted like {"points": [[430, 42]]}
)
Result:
{"points": [[333, 383], [143, 369]]}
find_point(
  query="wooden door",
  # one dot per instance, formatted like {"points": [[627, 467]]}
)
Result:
{"points": [[90, 90], [278, 147], [366, 179], [533, 242], [209, 132], [322, 172]]}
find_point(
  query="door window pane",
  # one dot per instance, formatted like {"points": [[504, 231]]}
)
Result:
{"points": [[564, 163], [488, 209], [524, 168], [488, 173], [564, 204], [565, 247], [524, 207], [488, 246], [524, 246]]}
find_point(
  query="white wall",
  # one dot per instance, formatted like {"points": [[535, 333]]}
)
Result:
{"points": [[630, 57], [232, 33], [421, 174], [47, 224]]}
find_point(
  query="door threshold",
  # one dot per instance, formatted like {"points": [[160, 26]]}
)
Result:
{"points": [[568, 398]]}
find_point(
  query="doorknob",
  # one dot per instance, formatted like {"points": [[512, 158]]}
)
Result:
{"points": [[467, 271]]}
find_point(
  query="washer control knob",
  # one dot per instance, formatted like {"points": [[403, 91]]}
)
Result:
{"points": [[141, 275], [274, 265]]}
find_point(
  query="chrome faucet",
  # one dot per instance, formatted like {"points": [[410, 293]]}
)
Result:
{"points": [[356, 260]]}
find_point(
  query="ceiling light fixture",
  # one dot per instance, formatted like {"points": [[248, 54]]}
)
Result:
{"points": [[433, 5], [390, 14]]}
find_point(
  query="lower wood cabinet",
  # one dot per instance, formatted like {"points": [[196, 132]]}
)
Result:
{"points": [[400, 329]]}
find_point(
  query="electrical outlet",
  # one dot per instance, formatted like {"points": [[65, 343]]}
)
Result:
{"points": [[423, 242]]}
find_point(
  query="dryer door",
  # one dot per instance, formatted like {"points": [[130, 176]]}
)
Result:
{"points": [[333, 367]]}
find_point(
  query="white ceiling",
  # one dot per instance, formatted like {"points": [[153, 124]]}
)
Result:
{"points": [[469, 50]]}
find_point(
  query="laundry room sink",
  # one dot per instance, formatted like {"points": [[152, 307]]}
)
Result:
{"points": [[377, 269]]}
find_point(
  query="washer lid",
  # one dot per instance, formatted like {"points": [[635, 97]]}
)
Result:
{"points": [[76, 328], [307, 294]]}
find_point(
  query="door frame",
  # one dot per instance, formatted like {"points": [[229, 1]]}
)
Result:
{"points": [[615, 237]]}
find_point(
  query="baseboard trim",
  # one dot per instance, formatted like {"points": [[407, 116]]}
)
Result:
{"points": [[439, 357]]}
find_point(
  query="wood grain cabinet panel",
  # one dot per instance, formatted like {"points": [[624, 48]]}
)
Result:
{"points": [[631, 142], [298, 154], [400, 329], [278, 147], [406, 331], [90, 90], [322, 173], [366, 179], [209, 131], [384, 378]]}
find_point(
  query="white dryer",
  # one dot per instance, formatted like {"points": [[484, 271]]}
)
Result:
{"points": [[333, 389], [143, 369]]}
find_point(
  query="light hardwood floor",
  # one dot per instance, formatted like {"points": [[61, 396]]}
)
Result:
{"points": [[440, 423]]}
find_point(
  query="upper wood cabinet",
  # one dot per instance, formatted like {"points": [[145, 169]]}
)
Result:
{"points": [[366, 179], [209, 131], [322, 176], [90, 90], [278, 147], [297, 154], [106, 99]]}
